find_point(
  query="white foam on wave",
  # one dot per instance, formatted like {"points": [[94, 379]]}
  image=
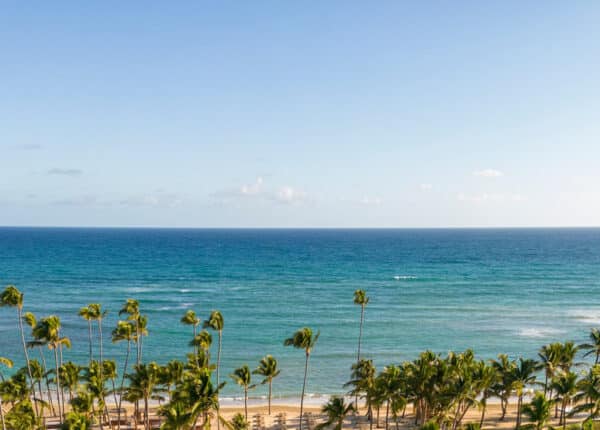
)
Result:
{"points": [[539, 332], [589, 317], [185, 290], [404, 277]]}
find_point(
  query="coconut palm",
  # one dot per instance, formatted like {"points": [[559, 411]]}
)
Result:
{"points": [[190, 318], [550, 358], [8, 363], [505, 385], [124, 331], [202, 342], [178, 416], [363, 378], [361, 299], [537, 411], [243, 377], [336, 410], [565, 388], [523, 375], [267, 367], [98, 315], [215, 322], [47, 330], [303, 339], [486, 377], [12, 297], [141, 386], [593, 347], [86, 314], [132, 309]]}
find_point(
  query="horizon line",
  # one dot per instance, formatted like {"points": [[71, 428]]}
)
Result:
{"points": [[141, 227]]}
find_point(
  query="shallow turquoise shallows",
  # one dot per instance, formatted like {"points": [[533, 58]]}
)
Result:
{"points": [[493, 290]]}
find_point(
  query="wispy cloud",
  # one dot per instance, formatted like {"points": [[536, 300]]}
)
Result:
{"points": [[491, 197], [258, 190], [64, 172], [85, 200], [425, 187], [488, 173], [29, 147], [371, 201], [168, 200]]}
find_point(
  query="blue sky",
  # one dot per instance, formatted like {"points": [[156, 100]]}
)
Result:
{"points": [[305, 114]]}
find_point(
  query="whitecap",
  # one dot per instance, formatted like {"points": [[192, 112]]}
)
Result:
{"points": [[590, 317], [539, 332], [404, 277], [185, 290]]}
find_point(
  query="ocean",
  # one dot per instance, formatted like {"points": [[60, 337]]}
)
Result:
{"points": [[492, 290]]}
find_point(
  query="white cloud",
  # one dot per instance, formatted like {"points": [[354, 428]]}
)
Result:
{"points": [[64, 172], [152, 200], [488, 173], [252, 189], [85, 200], [490, 197], [371, 201], [426, 187], [289, 195]]}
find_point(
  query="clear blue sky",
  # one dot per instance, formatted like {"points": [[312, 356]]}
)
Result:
{"points": [[276, 113]]}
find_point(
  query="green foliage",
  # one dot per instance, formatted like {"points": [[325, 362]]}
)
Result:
{"points": [[430, 425], [239, 422]]}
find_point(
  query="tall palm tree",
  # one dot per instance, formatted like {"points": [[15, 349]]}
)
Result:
{"points": [[538, 411], [486, 376], [363, 379], [8, 363], [303, 339], [48, 331], [132, 309], [565, 387], [361, 299], [523, 375], [86, 314], [593, 347], [98, 315], [202, 342], [124, 331], [190, 318], [505, 386], [141, 386], [550, 358], [267, 367], [336, 410], [243, 377], [215, 322], [12, 297]]}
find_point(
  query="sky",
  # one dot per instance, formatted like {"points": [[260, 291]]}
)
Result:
{"points": [[300, 114]]}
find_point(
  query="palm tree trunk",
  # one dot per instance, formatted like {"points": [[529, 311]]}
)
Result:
{"points": [[245, 403], [20, 317], [218, 368], [519, 403], [60, 406], [484, 403], [123, 382], [387, 415], [303, 388], [270, 390], [146, 417], [90, 339], [45, 367], [362, 316]]}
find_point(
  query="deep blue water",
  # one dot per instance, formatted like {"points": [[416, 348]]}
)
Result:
{"points": [[494, 290]]}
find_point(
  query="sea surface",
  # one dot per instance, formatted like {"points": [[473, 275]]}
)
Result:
{"points": [[493, 290]]}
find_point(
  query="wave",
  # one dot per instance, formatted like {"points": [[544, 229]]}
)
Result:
{"points": [[589, 317], [404, 277], [539, 332]]}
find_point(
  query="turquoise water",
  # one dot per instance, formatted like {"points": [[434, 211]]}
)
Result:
{"points": [[504, 290]]}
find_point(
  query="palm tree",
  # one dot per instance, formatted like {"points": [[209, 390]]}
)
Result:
{"points": [[86, 314], [523, 375], [190, 318], [337, 410], [202, 342], [538, 411], [565, 387], [215, 322], [47, 330], [504, 388], [486, 377], [361, 299], [549, 357], [132, 309], [13, 298], [303, 339], [124, 331], [8, 363], [178, 416], [267, 367], [141, 386], [243, 377], [594, 346], [98, 315]]}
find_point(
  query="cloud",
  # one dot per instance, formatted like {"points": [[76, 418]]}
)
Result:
{"points": [[425, 187], [288, 195], [65, 172], [167, 200], [29, 147], [488, 173], [85, 200], [258, 190], [491, 197], [370, 201]]}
